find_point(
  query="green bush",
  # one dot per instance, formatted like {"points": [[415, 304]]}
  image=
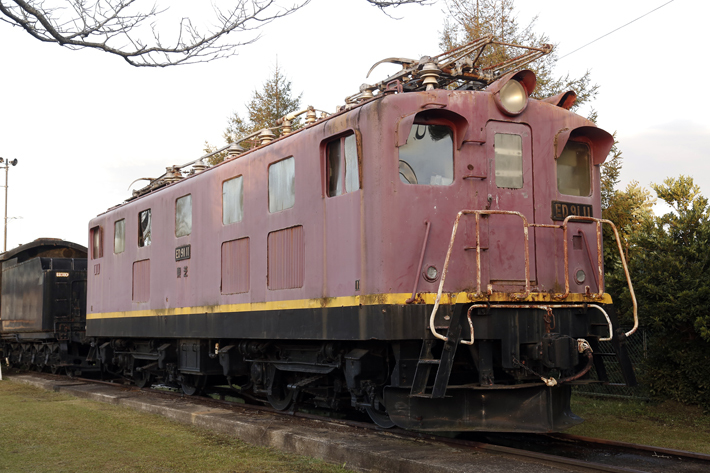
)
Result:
{"points": [[670, 268]]}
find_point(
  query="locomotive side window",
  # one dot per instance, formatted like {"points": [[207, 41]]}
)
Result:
{"points": [[97, 247], [509, 161], [573, 170], [343, 174], [144, 230], [232, 200], [183, 216], [282, 185], [428, 156], [119, 236]]}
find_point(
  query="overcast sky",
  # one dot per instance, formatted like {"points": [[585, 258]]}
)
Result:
{"points": [[83, 124]]}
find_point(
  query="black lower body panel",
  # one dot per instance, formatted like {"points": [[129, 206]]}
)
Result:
{"points": [[526, 409], [380, 322]]}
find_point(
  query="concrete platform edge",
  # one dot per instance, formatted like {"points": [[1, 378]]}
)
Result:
{"points": [[359, 450]]}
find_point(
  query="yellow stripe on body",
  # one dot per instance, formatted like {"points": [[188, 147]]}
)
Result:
{"points": [[349, 301]]}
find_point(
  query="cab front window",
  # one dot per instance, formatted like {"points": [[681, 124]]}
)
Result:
{"points": [[574, 170], [428, 156]]}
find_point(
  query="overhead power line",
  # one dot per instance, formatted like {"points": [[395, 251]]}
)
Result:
{"points": [[620, 27]]}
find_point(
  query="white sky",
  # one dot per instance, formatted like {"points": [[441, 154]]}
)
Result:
{"points": [[84, 124]]}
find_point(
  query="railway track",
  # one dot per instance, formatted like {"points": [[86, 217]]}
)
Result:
{"points": [[562, 451]]}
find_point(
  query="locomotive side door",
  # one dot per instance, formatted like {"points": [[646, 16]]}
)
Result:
{"points": [[510, 188], [342, 214]]}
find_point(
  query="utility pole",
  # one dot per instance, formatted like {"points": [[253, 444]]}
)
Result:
{"points": [[7, 169]]}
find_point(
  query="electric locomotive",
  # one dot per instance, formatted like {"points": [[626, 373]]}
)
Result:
{"points": [[430, 254]]}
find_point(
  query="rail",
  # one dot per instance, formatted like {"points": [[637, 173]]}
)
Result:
{"points": [[520, 296]]}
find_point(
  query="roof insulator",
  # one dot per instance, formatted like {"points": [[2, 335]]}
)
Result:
{"points": [[266, 136], [199, 166], [286, 127], [172, 174], [366, 91], [311, 116], [430, 73], [234, 150]]}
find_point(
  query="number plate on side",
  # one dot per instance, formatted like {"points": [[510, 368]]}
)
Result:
{"points": [[182, 252], [562, 210]]}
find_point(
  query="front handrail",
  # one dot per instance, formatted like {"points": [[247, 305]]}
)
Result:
{"points": [[599, 222], [600, 256]]}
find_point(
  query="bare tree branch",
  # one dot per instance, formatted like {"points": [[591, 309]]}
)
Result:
{"points": [[129, 28], [396, 3], [122, 28]]}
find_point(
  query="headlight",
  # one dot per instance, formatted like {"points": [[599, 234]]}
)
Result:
{"points": [[580, 276], [511, 92], [431, 274], [513, 97]]}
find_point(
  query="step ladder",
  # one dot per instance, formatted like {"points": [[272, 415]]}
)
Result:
{"points": [[442, 365]]}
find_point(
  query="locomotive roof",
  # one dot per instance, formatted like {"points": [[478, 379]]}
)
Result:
{"points": [[456, 69], [45, 247]]}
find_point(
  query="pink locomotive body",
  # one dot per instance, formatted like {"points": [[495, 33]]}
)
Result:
{"points": [[362, 246], [309, 268]]}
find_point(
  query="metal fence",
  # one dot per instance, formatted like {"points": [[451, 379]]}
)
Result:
{"points": [[637, 347]]}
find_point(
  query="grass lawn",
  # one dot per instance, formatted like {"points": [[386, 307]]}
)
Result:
{"points": [[51, 432], [668, 424]]}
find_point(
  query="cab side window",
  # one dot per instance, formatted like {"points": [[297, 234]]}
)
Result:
{"points": [[144, 228], [119, 236], [97, 243], [342, 165]]}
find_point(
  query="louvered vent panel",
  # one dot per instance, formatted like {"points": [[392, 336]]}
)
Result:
{"points": [[286, 258], [141, 281], [235, 266]]}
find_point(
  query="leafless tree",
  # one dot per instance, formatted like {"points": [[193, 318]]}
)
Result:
{"points": [[129, 28]]}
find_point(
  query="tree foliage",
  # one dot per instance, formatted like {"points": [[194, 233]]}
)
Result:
{"points": [[131, 29], [670, 267], [472, 19], [266, 107], [629, 209]]}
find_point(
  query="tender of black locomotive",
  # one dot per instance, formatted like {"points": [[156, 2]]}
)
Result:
{"points": [[43, 306]]}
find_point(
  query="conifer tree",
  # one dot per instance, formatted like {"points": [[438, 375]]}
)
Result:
{"points": [[266, 107], [473, 19]]}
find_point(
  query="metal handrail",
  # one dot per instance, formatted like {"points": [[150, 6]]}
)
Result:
{"points": [[563, 226], [478, 259]]}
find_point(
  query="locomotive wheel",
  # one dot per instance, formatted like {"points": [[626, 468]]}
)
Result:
{"points": [[380, 417], [192, 384], [378, 414], [144, 379], [42, 358], [281, 396]]}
